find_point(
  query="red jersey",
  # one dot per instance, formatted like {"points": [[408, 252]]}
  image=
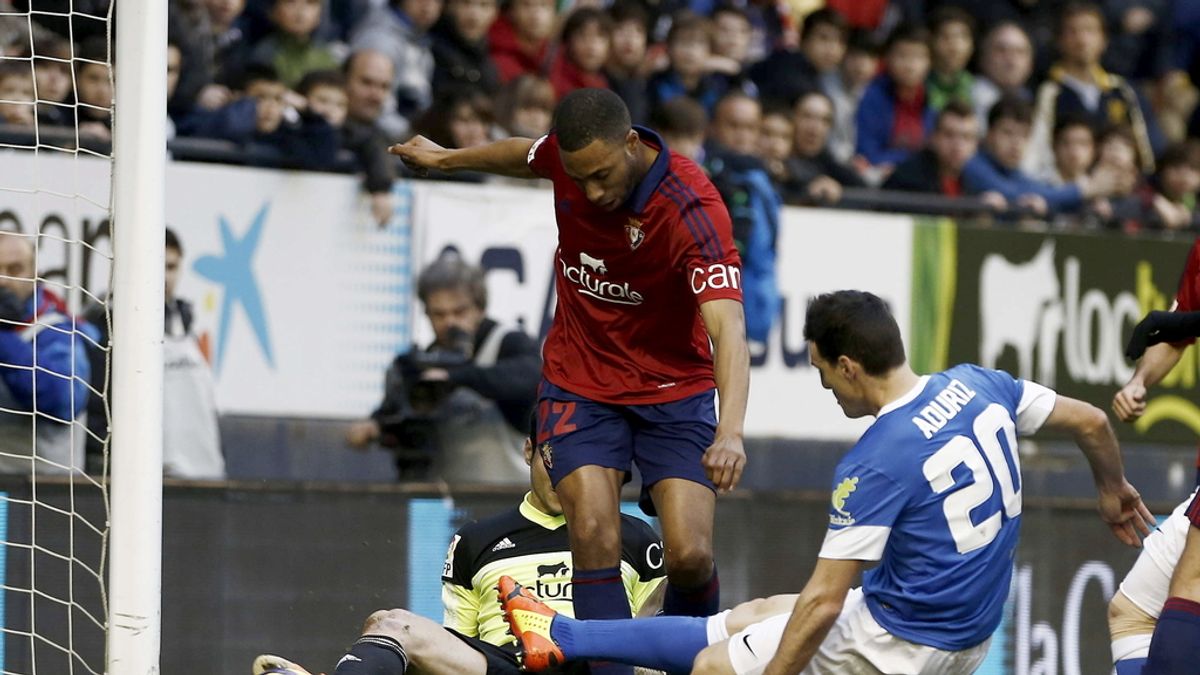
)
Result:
{"points": [[630, 282], [1187, 298]]}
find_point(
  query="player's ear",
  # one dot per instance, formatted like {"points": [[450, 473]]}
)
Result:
{"points": [[528, 451], [631, 141], [847, 367]]}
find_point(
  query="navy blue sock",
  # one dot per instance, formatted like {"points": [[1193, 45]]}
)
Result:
{"points": [[704, 600], [667, 643], [1175, 649], [600, 594], [373, 655]]}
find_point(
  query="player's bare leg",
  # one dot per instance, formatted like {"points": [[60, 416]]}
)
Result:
{"points": [[753, 611], [685, 509], [591, 501], [429, 648]]}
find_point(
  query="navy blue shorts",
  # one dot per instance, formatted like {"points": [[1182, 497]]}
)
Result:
{"points": [[664, 440]]}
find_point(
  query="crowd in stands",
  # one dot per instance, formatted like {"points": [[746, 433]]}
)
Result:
{"points": [[1079, 113]]}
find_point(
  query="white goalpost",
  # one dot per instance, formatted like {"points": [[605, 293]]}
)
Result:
{"points": [[139, 166]]}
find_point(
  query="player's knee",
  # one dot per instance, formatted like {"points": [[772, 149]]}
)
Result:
{"points": [[597, 535], [690, 564], [398, 624], [709, 662]]}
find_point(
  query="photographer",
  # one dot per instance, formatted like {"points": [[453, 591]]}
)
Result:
{"points": [[43, 369], [459, 404]]}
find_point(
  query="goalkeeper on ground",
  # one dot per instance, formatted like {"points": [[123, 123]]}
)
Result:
{"points": [[529, 543]]}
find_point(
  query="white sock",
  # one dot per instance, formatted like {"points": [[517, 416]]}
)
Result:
{"points": [[717, 630]]}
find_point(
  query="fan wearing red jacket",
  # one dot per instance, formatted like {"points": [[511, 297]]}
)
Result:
{"points": [[648, 329]]}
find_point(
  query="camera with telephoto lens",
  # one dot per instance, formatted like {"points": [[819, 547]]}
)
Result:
{"points": [[415, 426]]}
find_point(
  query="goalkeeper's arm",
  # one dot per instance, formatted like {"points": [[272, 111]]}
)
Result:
{"points": [[508, 157]]}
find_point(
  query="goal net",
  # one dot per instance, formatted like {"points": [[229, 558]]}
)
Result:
{"points": [[56, 93]]}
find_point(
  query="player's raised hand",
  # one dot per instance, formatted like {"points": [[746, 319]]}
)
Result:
{"points": [[420, 154], [1126, 515], [724, 461], [1130, 402]]}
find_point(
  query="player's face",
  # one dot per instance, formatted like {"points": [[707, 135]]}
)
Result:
{"points": [[604, 170], [450, 310], [539, 480], [174, 264], [840, 377]]}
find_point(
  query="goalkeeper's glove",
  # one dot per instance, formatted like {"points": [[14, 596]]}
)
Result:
{"points": [[1159, 326]]}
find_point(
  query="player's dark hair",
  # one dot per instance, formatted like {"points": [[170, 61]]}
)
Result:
{"points": [[173, 242], [321, 78], [1010, 108], [532, 429], [954, 108], [858, 325], [451, 272], [587, 115]]}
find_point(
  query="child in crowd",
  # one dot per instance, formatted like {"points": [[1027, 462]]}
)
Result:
{"points": [[683, 123], [93, 87], [324, 92], [52, 75], [16, 94], [584, 47], [525, 106], [952, 42], [1074, 151], [731, 40], [628, 68], [460, 48], [520, 38], [894, 116], [291, 47], [689, 46]]}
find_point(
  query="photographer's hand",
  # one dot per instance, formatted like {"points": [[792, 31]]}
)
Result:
{"points": [[362, 433], [435, 375]]}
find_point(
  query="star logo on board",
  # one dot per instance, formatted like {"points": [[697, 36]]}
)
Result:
{"points": [[634, 233], [234, 271]]}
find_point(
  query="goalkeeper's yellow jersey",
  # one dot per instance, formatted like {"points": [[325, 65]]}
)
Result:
{"points": [[532, 547]]}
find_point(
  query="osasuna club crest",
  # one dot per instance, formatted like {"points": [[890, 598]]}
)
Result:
{"points": [[634, 233]]}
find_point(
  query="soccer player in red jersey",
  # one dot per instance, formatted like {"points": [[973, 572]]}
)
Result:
{"points": [[1167, 334], [647, 276]]}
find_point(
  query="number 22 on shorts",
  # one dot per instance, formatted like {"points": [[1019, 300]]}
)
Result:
{"points": [[560, 412]]}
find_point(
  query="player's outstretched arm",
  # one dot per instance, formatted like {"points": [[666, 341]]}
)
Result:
{"points": [[816, 611], [1130, 402], [726, 324], [507, 157], [1120, 504]]}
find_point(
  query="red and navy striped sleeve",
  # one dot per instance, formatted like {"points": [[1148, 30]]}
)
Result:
{"points": [[705, 236]]}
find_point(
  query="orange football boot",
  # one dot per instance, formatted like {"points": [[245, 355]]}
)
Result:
{"points": [[529, 621]]}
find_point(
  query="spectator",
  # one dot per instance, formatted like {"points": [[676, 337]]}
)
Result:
{"points": [[93, 89], [399, 30], [894, 114], [461, 120], [682, 123], [520, 38], [52, 75], [628, 68], [786, 74], [776, 144], [1077, 84], [584, 47], [1074, 150], [1005, 63], [952, 31], [291, 48], [227, 49], [174, 69], [688, 51], [997, 168], [824, 175], [325, 93], [731, 41], [846, 90], [44, 369], [17, 104], [461, 57], [261, 119], [525, 107], [1173, 202], [369, 85], [464, 400], [191, 435], [938, 169], [1129, 204], [754, 206]]}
